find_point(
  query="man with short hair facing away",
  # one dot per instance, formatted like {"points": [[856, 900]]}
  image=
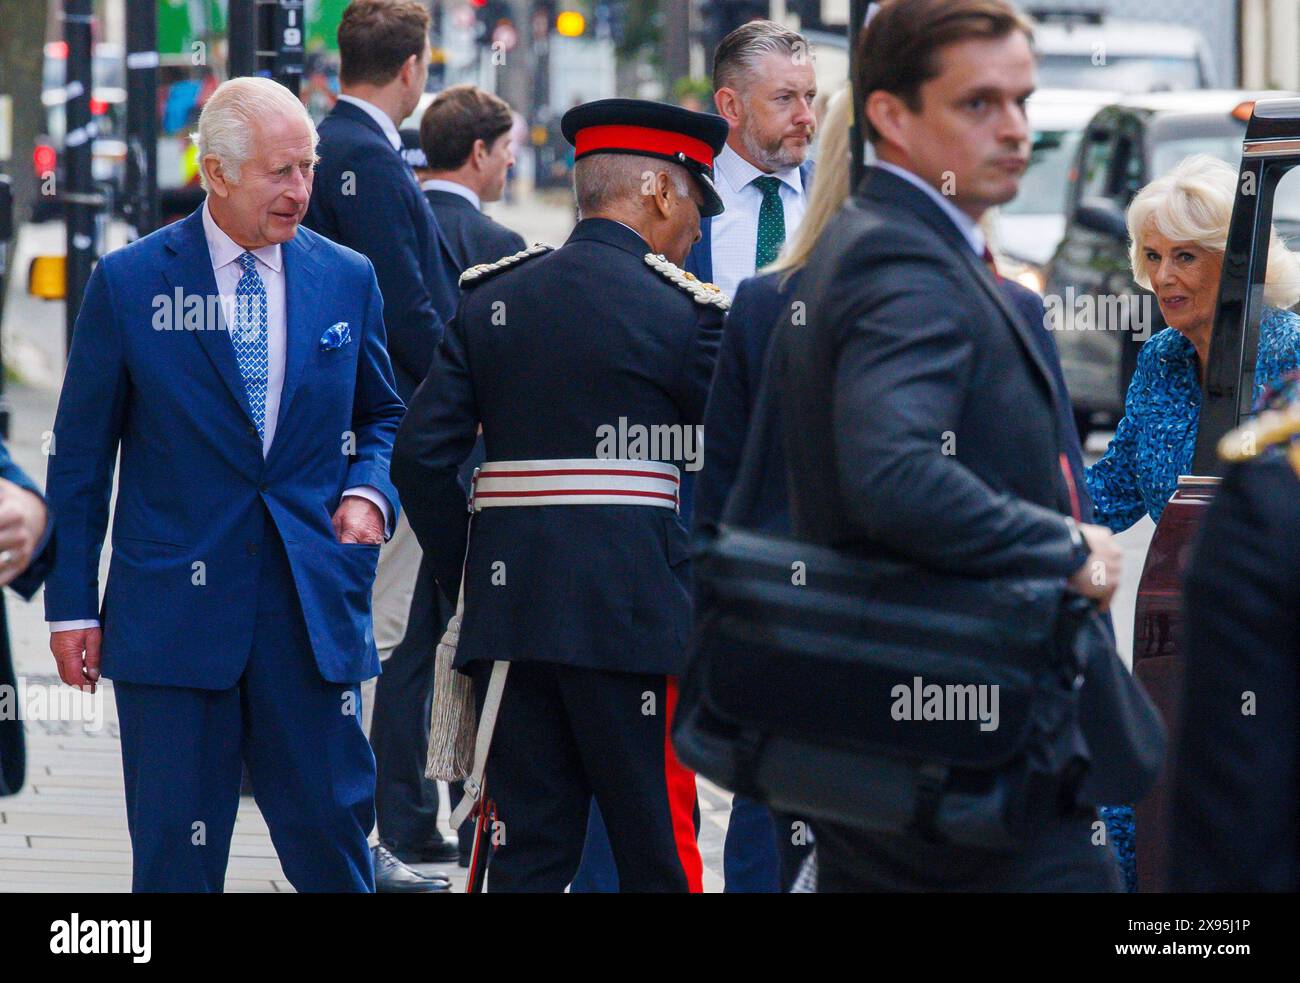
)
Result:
{"points": [[465, 134]]}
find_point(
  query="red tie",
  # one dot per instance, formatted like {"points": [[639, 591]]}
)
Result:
{"points": [[991, 263]]}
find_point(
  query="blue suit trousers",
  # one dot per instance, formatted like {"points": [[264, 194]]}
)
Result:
{"points": [[311, 766]]}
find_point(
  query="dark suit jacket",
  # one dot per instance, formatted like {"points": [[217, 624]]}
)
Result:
{"points": [[471, 236], [1029, 305], [937, 433], [1235, 788], [365, 197], [13, 758], [760, 302], [699, 260], [592, 336]]}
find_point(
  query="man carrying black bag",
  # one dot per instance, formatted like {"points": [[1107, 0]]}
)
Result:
{"points": [[923, 438]]}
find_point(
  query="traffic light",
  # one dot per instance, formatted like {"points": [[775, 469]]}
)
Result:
{"points": [[490, 15]]}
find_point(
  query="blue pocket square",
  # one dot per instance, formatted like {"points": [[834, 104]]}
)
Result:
{"points": [[335, 336]]}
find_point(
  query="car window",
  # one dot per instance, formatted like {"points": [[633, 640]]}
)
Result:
{"points": [[1227, 147], [1130, 168], [1045, 186], [1286, 197], [1145, 73], [1094, 165]]}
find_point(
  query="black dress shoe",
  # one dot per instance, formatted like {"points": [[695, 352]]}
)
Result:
{"points": [[438, 852], [394, 877]]}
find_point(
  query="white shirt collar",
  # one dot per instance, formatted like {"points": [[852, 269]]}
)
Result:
{"points": [[739, 173], [454, 187], [224, 249], [379, 116], [966, 225]]}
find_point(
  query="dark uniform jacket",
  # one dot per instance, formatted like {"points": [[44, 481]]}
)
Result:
{"points": [[544, 354], [365, 197], [471, 236]]}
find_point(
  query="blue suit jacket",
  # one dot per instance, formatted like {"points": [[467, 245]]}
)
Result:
{"points": [[194, 490], [365, 197], [699, 260]]}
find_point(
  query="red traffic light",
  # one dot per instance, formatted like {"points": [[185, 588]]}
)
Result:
{"points": [[43, 159]]}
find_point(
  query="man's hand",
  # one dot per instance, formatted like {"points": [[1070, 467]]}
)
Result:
{"points": [[77, 654], [358, 520], [1099, 577], [22, 523]]}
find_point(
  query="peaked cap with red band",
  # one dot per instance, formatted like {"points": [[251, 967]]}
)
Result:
{"points": [[651, 129]]}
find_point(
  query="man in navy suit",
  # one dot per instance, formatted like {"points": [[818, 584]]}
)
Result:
{"points": [[763, 86], [908, 321], [238, 362], [465, 135], [366, 198]]}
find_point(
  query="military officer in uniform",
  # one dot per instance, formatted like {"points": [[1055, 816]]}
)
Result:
{"points": [[1235, 792], [587, 367]]}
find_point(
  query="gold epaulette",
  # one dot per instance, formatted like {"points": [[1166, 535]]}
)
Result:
{"points": [[1271, 428], [703, 293], [476, 274]]}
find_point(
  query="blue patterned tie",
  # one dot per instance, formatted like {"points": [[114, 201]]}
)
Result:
{"points": [[249, 337]]}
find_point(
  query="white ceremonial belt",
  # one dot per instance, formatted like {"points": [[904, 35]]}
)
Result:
{"points": [[570, 481], [576, 481]]}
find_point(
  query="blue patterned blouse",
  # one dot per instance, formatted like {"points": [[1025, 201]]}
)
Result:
{"points": [[1155, 441]]}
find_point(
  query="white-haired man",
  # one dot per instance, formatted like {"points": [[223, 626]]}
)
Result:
{"points": [[238, 362], [763, 86]]}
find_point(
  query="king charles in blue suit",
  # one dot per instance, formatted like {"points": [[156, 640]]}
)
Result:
{"points": [[238, 363]]}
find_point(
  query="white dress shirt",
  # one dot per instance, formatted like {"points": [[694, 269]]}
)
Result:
{"points": [[379, 116], [438, 184], [733, 235], [966, 225], [224, 253]]}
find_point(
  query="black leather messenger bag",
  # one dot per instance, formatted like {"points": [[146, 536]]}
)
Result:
{"points": [[883, 695]]}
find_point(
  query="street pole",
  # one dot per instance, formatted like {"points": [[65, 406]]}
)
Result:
{"points": [[142, 117], [284, 54], [857, 16], [78, 193], [241, 37], [265, 37]]}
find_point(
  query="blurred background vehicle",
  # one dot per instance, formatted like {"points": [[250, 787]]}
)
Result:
{"points": [[1025, 232], [1086, 49], [1103, 317]]}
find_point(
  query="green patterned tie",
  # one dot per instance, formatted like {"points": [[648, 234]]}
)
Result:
{"points": [[771, 221]]}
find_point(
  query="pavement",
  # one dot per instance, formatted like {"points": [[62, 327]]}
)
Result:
{"points": [[67, 830]]}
